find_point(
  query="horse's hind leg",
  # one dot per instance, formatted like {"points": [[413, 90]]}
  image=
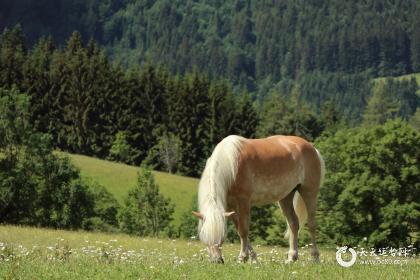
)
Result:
{"points": [[286, 205], [252, 253], [310, 199]]}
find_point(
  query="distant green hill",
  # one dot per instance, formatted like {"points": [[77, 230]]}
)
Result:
{"points": [[329, 50], [240, 40], [401, 78], [119, 178]]}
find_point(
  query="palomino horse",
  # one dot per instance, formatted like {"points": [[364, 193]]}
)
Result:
{"points": [[242, 172]]}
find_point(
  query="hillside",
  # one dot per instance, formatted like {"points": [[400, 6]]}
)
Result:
{"points": [[245, 41], [326, 52], [120, 178]]}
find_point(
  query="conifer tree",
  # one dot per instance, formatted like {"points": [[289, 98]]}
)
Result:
{"points": [[272, 116], [131, 117], [12, 56], [415, 42], [189, 113], [246, 117], [223, 115], [381, 106], [146, 211], [37, 83]]}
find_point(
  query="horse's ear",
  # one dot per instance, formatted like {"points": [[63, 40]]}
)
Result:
{"points": [[198, 215], [228, 214]]}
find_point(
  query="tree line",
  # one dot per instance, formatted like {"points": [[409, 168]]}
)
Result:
{"points": [[91, 106], [84, 103]]}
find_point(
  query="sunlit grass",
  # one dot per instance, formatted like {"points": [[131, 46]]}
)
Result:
{"points": [[120, 178], [30, 253], [401, 78]]}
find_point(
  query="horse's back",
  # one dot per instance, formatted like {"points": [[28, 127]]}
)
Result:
{"points": [[276, 147], [269, 168]]}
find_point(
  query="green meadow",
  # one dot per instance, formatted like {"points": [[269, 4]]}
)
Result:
{"points": [[404, 77], [32, 253], [120, 178], [401, 78]]}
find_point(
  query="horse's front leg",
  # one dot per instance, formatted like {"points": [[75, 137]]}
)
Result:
{"points": [[241, 221]]}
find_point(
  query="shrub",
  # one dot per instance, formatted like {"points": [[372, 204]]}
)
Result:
{"points": [[372, 188], [120, 149], [106, 209], [188, 227]]}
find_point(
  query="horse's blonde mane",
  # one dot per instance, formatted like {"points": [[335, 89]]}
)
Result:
{"points": [[219, 174]]}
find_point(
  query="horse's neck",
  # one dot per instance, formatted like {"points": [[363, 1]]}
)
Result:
{"points": [[221, 170], [211, 194]]}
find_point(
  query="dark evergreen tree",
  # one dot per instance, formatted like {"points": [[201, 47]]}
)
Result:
{"points": [[38, 84], [415, 41], [12, 56], [222, 114], [246, 119], [189, 115]]}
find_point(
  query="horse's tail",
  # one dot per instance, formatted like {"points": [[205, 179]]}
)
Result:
{"points": [[322, 162], [219, 174], [300, 210], [298, 202]]}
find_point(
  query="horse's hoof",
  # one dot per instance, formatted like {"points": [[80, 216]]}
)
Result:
{"points": [[218, 260], [315, 257], [242, 259], [289, 261]]}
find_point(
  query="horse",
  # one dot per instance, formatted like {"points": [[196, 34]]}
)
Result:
{"points": [[243, 172]]}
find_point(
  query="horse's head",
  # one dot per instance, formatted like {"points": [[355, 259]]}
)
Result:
{"points": [[212, 231]]}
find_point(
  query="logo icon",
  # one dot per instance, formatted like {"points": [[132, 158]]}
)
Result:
{"points": [[343, 250]]}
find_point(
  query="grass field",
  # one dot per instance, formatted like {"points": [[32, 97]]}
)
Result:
{"points": [[119, 178], [401, 78], [404, 77], [30, 253]]}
